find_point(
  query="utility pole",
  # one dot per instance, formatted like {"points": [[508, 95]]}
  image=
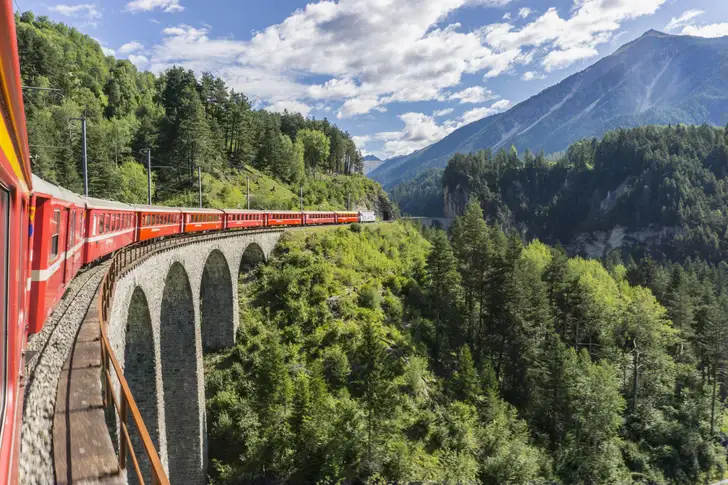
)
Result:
{"points": [[199, 183], [301, 198], [149, 176], [247, 197], [348, 201], [85, 159]]}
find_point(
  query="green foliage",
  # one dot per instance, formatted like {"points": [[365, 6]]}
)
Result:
{"points": [[187, 122]]}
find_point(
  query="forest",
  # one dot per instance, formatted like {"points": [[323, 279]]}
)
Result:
{"points": [[672, 178], [186, 121], [394, 354]]}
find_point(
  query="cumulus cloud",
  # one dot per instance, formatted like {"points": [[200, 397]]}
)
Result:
{"points": [[85, 10], [291, 106], [421, 130], [148, 5], [130, 47], [371, 53], [711, 30], [562, 58], [141, 62], [524, 12], [474, 94], [683, 19], [108, 51], [507, 16]]}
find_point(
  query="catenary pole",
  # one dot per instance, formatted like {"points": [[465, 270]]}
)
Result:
{"points": [[149, 176]]}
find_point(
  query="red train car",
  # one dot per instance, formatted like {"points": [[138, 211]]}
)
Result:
{"points": [[202, 220], [313, 218], [154, 221], [55, 259], [240, 219], [346, 217], [15, 210], [110, 226], [285, 218]]}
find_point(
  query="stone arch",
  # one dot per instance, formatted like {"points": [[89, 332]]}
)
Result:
{"points": [[252, 257], [141, 375], [180, 367], [216, 303]]}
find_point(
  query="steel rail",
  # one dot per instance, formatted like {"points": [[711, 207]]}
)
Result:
{"points": [[123, 261]]}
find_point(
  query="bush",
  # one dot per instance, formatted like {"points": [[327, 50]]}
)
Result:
{"points": [[356, 227]]}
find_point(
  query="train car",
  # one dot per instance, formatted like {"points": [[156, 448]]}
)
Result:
{"points": [[155, 221], [15, 215], [284, 218], [110, 226], [345, 217], [240, 219], [56, 257], [196, 220], [312, 218], [367, 216]]}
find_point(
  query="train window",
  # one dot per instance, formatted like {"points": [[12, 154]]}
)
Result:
{"points": [[5, 259], [55, 228]]}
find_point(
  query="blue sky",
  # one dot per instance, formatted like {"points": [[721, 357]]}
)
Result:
{"points": [[397, 74]]}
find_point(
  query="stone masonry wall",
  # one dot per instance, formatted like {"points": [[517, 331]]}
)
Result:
{"points": [[171, 283]]}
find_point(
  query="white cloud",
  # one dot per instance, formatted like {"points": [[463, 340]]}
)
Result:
{"points": [[141, 62], [711, 30], [474, 94], [291, 106], [130, 47], [683, 19], [148, 5], [371, 53], [421, 130], [501, 105], [507, 16], [357, 106], [442, 112], [154, 21], [524, 12], [108, 51], [560, 59], [531, 75], [592, 22], [84, 10], [480, 113]]}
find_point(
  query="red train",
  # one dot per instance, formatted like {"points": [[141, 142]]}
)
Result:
{"points": [[82, 230]]}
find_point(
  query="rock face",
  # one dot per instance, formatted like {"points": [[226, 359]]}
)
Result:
{"points": [[655, 79], [455, 201], [599, 244], [371, 162]]}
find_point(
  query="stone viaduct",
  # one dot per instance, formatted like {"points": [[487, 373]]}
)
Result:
{"points": [[165, 313]]}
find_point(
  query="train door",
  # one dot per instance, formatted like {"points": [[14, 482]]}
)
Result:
{"points": [[71, 228]]}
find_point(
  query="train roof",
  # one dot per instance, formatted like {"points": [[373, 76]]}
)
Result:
{"points": [[191, 210], [40, 186], [154, 208], [242, 211], [94, 203]]}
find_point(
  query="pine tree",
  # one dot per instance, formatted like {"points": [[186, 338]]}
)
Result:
{"points": [[470, 246], [465, 380], [443, 287]]}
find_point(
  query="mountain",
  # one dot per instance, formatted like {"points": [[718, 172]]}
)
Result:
{"points": [[656, 79], [371, 162]]}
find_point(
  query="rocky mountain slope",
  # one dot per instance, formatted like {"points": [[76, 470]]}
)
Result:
{"points": [[655, 79]]}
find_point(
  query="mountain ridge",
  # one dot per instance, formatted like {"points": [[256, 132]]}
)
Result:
{"points": [[657, 78]]}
